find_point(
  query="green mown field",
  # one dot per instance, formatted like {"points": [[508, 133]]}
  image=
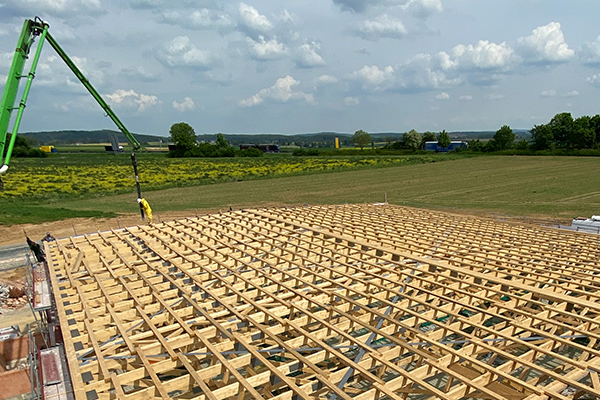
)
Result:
{"points": [[547, 187]]}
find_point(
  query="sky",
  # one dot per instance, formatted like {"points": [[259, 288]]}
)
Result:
{"points": [[280, 66]]}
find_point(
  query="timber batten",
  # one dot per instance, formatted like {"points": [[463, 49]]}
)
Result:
{"points": [[355, 301]]}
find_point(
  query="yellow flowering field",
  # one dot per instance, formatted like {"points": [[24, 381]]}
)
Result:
{"points": [[97, 175]]}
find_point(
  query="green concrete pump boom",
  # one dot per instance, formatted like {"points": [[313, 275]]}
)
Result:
{"points": [[32, 29]]}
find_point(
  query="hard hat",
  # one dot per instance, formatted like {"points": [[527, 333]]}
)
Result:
{"points": [[139, 200]]}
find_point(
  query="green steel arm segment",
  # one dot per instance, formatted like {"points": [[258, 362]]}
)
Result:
{"points": [[132, 140], [31, 29], [7, 104]]}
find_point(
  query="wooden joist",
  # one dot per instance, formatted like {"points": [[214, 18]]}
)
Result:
{"points": [[353, 301]]}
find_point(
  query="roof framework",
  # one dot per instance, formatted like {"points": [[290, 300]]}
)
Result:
{"points": [[356, 301]]}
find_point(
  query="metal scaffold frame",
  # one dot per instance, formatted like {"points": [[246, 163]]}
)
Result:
{"points": [[357, 302]]}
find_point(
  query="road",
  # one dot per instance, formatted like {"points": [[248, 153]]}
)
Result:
{"points": [[13, 256]]}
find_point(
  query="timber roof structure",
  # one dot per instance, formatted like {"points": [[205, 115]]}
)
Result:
{"points": [[336, 302]]}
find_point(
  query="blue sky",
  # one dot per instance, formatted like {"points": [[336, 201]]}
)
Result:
{"points": [[265, 66]]}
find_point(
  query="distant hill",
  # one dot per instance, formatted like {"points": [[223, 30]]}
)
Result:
{"points": [[318, 139], [86, 137]]}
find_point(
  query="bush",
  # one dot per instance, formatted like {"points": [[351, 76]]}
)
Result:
{"points": [[228, 151], [202, 150], [305, 152], [251, 152], [398, 145], [37, 153], [21, 152], [522, 145]]}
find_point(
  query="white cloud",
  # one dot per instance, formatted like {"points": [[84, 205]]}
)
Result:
{"points": [[139, 73], [484, 56], [6, 59], [145, 3], [281, 92], [383, 26], [57, 7], [373, 78], [545, 45], [52, 72], [131, 99], [417, 8], [594, 80], [351, 101], [482, 64], [186, 105], [571, 93], [443, 96], [180, 52], [308, 56], [287, 17], [203, 18], [422, 72], [355, 5], [467, 97], [326, 80], [495, 96], [548, 93], [590, 53], [252, 22], [3, 32], [424, 8], [263, 50]]}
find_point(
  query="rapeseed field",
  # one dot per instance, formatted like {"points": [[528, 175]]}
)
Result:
{"points": [[76, 176]]}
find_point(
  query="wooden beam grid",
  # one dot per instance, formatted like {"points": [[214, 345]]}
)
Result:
{"points": [[356, 301]]}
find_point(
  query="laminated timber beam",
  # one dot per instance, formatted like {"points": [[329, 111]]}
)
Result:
{"points": [[358, 302]]}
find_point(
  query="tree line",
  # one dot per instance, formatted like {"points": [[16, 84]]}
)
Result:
{"points": [[411, 140], [186, 145], [562, 132]]}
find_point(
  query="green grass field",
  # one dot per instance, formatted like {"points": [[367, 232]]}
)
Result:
{"points": [[547, 187]]}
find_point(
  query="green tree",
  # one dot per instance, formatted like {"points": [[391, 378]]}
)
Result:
{"points": [[444, 139], [221, 142], [22, 147], [183, 135], [504, 138], [562, 128], [595, 125], [522, 145], [542, 137], [583, 134], [476, 145], [427, 137], [412, 140], [361, 138]]}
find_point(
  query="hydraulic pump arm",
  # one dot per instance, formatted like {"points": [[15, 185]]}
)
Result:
{"points": [[31, 29]]}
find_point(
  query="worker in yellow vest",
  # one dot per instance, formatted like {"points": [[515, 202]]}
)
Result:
{"points": [[147, 210]]}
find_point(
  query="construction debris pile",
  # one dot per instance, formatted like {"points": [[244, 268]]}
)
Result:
{"points": [[12, 296], [356, 302]]}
